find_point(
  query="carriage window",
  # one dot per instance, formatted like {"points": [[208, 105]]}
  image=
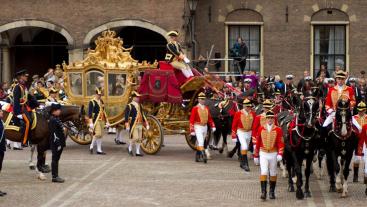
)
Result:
{"points": [[95, 79], [116, 84], [76, 83]]}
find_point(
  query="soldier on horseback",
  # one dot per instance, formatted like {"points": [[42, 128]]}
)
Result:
{"points": [[23, 104], [334, 93]]}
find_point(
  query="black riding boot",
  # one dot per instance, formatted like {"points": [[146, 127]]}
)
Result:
{"points": [[355, 171], [272, 189], [244, 163], [234, 150], [263, 189], [203, 156], [365, 182], [197, 156]]}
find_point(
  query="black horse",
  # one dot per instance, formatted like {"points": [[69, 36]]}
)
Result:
{"points": [[223, 123], [301, 144], [341, 142]]}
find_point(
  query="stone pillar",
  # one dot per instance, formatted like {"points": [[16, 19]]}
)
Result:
{"points": [[6, 64], [75, 55]]}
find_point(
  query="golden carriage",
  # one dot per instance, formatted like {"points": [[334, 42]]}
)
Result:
{"points": [[111, 67]]}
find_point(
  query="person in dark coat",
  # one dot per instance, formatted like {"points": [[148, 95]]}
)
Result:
{"points": [[240, 52], [2, 145], [57, 140], [23, 103]]}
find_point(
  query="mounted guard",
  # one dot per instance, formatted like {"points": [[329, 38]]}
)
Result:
{"points": [[23, 104], [341, 90]]}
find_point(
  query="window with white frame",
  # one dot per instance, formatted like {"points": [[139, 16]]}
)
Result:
{"points": [[329, 47], [251, 34]]}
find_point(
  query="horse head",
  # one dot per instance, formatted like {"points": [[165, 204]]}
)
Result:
{"points": [[343, 117], [309, 110]]}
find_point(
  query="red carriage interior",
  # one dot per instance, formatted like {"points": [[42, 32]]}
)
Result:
{"points": [[163, 84]]}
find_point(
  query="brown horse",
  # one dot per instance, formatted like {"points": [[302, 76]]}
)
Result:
{"points": [[39, 136]]}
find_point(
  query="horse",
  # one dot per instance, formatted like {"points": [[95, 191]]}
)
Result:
{"points": [[301, 144], [40, 134], [341, 142], [223, 122]]}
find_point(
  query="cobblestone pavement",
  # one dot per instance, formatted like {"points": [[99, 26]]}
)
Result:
{"points": [[171, 178]]}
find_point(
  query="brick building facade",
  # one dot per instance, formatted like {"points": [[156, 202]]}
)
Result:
{"points": [[283, 36], [293, 36], [78, 23]]}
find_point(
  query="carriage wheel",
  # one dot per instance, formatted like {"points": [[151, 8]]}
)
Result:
{"points": [[153, 138], [191, 141], [79, 136]]}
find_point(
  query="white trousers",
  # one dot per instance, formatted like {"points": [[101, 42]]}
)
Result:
{"points": [[200, 132], [244, 138], [268, 163], [329, 119], [187, 73]]}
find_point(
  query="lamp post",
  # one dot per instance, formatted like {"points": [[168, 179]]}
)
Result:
{"points": [[192, 7]]}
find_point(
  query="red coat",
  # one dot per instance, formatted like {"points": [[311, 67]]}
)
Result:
{"points": [[362, 140], [333, 96], [243, 122], [201, 117], [361, 121], [259, 121], [269, 141]]}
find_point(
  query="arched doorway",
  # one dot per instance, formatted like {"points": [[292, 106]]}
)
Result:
{"points": [[147, 44], [32, 44], [36, 49]]}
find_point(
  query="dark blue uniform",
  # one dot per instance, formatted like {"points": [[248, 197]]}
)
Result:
{"points": [[57, 142], [93, 109], [131, 114], [2, 143]]}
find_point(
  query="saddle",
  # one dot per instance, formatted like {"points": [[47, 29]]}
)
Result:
{"points": [[13, 123]]}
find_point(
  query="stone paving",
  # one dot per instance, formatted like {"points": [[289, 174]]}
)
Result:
{"points": [[170, 178]]}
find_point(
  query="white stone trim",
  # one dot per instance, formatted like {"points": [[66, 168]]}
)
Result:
{"points": [[124, 23], [329, 22], [38, 23]]}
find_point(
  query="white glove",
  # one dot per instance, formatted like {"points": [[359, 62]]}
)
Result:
{"points": [[329, 111], [234, 140], [192, 133], [91, 126], [186, 60], [256, 161], [254, 148], [19, 116], [214, 129], [148, 127], [279, 158], [108, 125]]}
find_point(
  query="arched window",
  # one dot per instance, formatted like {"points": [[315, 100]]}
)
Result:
{"points": [[329, 41], [248, 25]]}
